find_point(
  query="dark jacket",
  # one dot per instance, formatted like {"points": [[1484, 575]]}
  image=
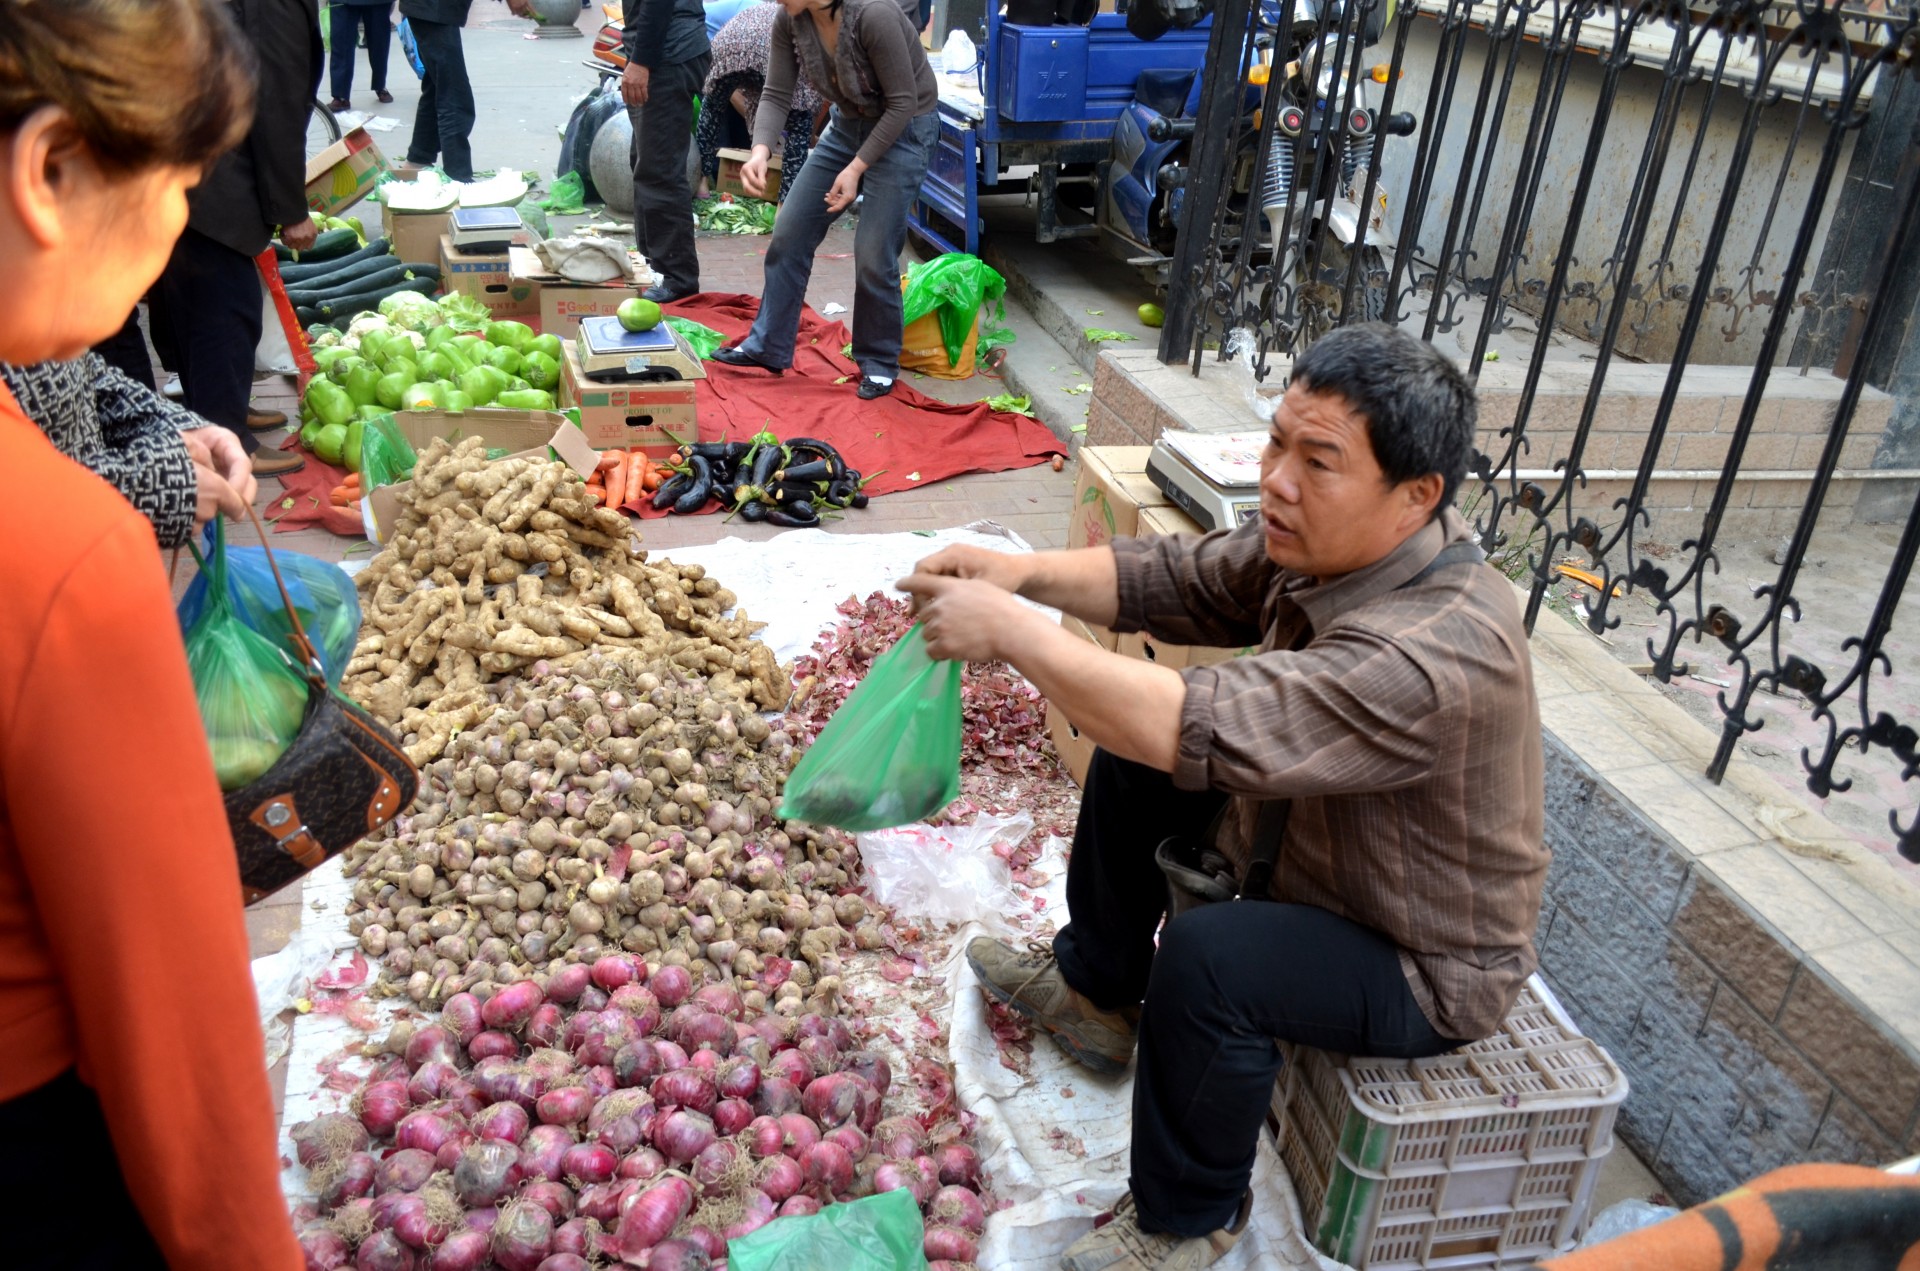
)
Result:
{"points": [[262, 182], [451, 12], [664, 32]]}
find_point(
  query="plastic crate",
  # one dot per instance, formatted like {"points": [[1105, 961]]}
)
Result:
{"points": [[1485, 1156]]}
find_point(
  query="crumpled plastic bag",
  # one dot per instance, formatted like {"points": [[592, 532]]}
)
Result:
{"points": [[322, 594], [955, 286], [947, 873], [703, 340], [585, 259], [1618, 1220], [875, 1233]]}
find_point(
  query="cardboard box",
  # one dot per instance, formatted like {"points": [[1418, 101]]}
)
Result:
{"points": [[1112, 491], [486, 279], [344, 173], [1088, 631], [415, 235], [729, 178], [562, 302], [1168, 519], [1076, 751], [524, 432], [654, 417]]}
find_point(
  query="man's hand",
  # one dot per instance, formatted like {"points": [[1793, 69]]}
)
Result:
{"points": [[846, 187], [753, 173], [966, 619], [214, 493], [300, 235], [1003, 569], [634, 82], [223, 453]]}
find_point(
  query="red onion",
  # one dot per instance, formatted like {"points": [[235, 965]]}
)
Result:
{"points": [[617, 970], [952, 1244], [544, 1150], [603, 1037], [679, 1255], [404, 1171], [544, 1025], [589, 1162], [550, 1067], [831, 1100], [575, 1029], [894, 1176], [776, 1097], [899, 1138], [620, 1135], [710, 1241], [487, 1172], [490, 1044], [812, 1024], [730, 1116], [874, 1068], [706, 1061], [866, 1102], [820, 1053], [851, 1137], [482, 1220], [958, 1207], [799, 1134], [792, 1066], [555, 1198], [425, 1128], [351, 1179], [781, 1177], [682, 1135], [636, 1063], [387, 1207], [958, 1164], [461, 1017], [464, 1098], [799, 1206], [748, 1044], [828, 1168], [431, 1042], [327, 1138], [713, 1162], [462, 1251], [564, 1105], [598, 1080], [760, 1211], [571, 1237], [696, 1029], [382, 1104], [839, 1034], [502, 1122], [765, 1137], [566, 984], [602, 1202], [671, 984], [449, 1154], [672, 1058], [592, 998], [382, 1251], [638, 1003], [642, 1164], [511, 1008], [523, 1237], [684, 1088], [416, 1226], [325, 1250], [776, 1029], [568, 1261], [430, 1082], [722, 999], [651, 1215]]}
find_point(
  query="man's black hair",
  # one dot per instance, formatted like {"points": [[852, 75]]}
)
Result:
{"points": [[1419, 407]]}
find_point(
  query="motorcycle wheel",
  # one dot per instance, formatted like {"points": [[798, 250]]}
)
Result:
{"points": [[1322, 298]]}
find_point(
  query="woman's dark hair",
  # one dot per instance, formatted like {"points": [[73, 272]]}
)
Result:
{"points": [[145, 82], [1419, 407]]}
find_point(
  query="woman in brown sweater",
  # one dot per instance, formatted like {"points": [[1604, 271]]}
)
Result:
{"points": [[865, 57]]}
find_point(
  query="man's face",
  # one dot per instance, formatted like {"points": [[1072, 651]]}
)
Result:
{"points": [[1327, 507]]}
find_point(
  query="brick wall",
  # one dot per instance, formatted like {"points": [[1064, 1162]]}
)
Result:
{"points": [[1742, 1056]]}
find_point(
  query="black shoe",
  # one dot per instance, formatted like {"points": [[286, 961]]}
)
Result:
{"points": [[385, 97], [872, 386], [739, 357], [339, 104], [662, 294]]}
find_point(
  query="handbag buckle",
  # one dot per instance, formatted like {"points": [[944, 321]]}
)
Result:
{"points": [[281, 820]]}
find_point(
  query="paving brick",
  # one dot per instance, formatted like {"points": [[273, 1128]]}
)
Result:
{"points": [[1879, 1076], [1768, 1070], [1735, 943], [1640, 855], [1849, 1136]]}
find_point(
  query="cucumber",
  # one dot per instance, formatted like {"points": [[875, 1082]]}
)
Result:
{"points": [[392, 272], [341, 278], [335, 242], [342, 311], [291, 273]]}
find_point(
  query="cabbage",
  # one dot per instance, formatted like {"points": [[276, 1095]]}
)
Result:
{"points": [[411, 310], [322, 337], [463, 312]]}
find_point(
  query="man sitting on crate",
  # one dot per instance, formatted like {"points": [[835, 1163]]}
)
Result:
{"points": [[1385, 744]]}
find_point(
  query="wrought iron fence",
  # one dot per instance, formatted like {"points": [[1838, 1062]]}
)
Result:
{"points": [[1597, 185]]}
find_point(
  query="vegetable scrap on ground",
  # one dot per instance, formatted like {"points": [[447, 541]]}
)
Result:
{"points": [[625, 1032]]}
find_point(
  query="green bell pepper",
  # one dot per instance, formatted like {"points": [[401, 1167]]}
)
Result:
{"points": [[526, 399], [541, 370], [513, 335], [331, 404], [547, 344], [330, 443], [507, 359], [351, 451], [361, 383]]}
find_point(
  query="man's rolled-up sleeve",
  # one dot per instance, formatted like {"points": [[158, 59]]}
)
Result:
{"points": [[1351, 712], [1206, 591]]}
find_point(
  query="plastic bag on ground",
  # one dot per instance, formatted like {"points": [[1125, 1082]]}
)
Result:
{"points": [[322, 594], [875, 1233], [1618, 1220], [252, 697], [566, 196], [955, 286], [702, 339], [891, 754], [947, 873]]}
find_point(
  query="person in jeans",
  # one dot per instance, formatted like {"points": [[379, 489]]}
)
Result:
{"points": [[1390, 710], [130, 1048], [865, 57], [667, 60], [443, 122], [346, 20]]}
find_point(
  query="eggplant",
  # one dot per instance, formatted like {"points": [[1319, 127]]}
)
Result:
{"points": [[764, 465], [817, 470], [753, 511], [671, 489], [793, 515], [730, 452], [699, 490]]}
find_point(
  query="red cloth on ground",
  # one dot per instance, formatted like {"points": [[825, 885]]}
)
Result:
{"points": [[902, 433], [309, 488]]}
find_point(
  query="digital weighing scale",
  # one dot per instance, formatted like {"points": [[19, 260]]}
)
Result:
{"points": [[1212, 477], [611, 353], [483, 231]]}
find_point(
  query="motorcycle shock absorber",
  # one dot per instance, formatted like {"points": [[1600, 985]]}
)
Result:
{"points": [[1356, 155], [1276, 186]]}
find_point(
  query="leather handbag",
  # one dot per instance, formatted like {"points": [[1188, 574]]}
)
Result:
{"points": [[343, 777]]}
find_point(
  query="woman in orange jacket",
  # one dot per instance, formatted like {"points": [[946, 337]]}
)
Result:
{"points": [[136, 1124]]}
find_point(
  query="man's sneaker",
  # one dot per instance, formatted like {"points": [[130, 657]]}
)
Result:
{"points": [[1120, 1245], [277, 463], [172, 388], [1030, 982]]}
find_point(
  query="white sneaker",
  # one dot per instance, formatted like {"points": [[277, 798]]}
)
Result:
{"points": [[172, 388]]}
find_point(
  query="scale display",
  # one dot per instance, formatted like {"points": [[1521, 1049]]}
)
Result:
{"points": [[608, 351], [1212, 477]]}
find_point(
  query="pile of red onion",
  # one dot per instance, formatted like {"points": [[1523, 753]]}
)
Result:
{"points": [[617, 1112]]}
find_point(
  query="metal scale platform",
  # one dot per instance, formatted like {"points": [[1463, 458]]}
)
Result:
{"points": [[1212, 477], [483, 231], [609, 353]]}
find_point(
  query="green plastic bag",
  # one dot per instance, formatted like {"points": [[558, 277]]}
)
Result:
{"points": [[386, 457], [958, 286], [703, 339], [891, 754], [252, 697], [566, 196], [875, 1233]]}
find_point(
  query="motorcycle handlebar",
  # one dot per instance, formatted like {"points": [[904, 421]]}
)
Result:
{"points": [[1164, 129], [1400, 125]]}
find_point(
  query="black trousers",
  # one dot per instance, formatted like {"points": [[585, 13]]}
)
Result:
{"points": [[1223, 983], [208, 303], [51, 1138], [662, 199], [444, 121], [126, 351], [345, 23]]}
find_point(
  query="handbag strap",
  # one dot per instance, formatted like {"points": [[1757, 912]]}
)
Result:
{"points": [[309, 658]]}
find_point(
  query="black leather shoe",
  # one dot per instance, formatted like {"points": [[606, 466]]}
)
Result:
{"points": [[871, 388], [665, 295], [739, 357]]}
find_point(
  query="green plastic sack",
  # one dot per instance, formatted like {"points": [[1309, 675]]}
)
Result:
{"points": [[322, 594], [252, 698], [876, 1233], [703, 339], [566, 196], [891, 754], [386, 457], [958, 286]]}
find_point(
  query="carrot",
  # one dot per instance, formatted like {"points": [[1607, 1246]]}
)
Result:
{"points": [[608, 458], [656, 475], [637, 472], [342, 497], [616, 485]]}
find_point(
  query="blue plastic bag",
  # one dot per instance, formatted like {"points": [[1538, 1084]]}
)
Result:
{"points": [[322, 594], [875, 1233], [411, 48]]}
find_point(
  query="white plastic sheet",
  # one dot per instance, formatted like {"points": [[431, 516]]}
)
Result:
{"points": [[947, 873]]}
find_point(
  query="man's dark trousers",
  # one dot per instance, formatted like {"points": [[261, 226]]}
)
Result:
{"points": [[346, 21], [208, 298], [1224, 981], [443, 123], [662, 199]]}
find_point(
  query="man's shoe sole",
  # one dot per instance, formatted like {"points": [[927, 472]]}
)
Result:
{"points": [[1064, 1036]]}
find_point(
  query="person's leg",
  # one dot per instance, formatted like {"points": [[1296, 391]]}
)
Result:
{"points": [[662, 199], [454, 100], [1229, 979], [53, 1135], [888, 190], [379, 20], [798, 229], [1116, 894], [220, 289], [126, 351], [429, 42], [343, 33]]}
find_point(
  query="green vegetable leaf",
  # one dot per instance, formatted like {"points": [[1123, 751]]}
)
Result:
{"points": [[1078, 428], [1097, 334], [1096, 313], [1016, 404], [1077, 389]]}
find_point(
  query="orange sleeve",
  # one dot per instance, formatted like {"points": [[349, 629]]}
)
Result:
{"points": [[111, 794]]}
